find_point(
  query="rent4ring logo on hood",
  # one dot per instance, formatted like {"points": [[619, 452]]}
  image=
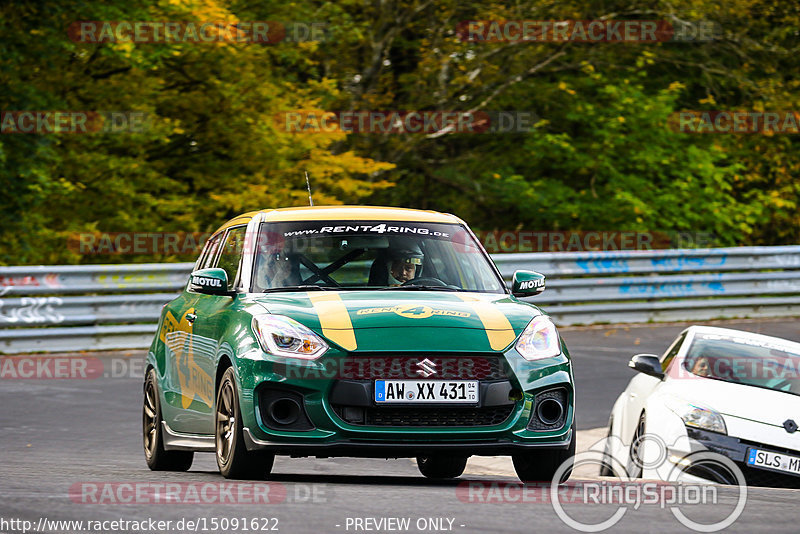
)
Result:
{"points": [[413, 311]]}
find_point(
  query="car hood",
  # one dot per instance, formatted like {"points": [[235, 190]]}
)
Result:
{"points": [[407, 320], [737, 401]]}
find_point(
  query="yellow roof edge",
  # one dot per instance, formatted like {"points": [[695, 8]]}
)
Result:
{"points": [[344, 213]]}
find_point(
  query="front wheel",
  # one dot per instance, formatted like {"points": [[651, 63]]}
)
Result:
{"points": [[157, 458], [635, 466], [441, 467], [233, 458], [541, 466]]}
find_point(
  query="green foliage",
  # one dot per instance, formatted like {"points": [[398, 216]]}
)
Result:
{"points": [[601, 157]]}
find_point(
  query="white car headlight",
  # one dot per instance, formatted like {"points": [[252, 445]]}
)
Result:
{"points": [[539, 339], [283, 336], [696, 416]]}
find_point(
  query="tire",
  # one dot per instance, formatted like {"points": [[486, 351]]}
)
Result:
{"points": [[541, 466], [157, 458], [233, 458], [442, 467], [606, 469], [635, 468]]}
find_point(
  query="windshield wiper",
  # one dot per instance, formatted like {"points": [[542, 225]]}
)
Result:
{"points": [[308, 287]]}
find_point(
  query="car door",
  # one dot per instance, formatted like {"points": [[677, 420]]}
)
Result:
{"points": [[180, 404], [212, 313]]}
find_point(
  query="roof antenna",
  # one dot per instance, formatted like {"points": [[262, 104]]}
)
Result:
{"points": [[308, 185]]}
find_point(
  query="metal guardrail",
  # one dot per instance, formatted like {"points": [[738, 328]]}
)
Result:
{"points": [[68, 308]]}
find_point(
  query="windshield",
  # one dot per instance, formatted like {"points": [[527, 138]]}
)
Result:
{"points": [[747, 361], [374, 255]]}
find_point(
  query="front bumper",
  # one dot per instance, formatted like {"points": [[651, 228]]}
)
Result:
{"points": [[382, 449], [736, 449], [329, 433]]}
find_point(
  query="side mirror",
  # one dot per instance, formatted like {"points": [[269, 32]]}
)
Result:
{"points": [[210, 282], [647, 364], [527, 283]]}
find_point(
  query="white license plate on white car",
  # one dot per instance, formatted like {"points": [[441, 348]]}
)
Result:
{"points": [[774, 460], [421, 391]]}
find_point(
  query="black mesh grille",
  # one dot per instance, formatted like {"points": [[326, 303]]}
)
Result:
{"points": [[436, 416], [536, 423], [772, 479]]}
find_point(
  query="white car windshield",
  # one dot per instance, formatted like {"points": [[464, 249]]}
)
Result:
{"points": [[371, 255], [747, 361]]}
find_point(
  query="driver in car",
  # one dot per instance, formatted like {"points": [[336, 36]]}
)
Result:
{"points": [[274, 269], [405, 265]]}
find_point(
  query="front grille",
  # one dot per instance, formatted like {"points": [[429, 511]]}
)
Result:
{"points": [[770, 479], [456, 367], [427, 417]]}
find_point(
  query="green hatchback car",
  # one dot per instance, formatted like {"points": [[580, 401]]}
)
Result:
{"points": [[356, 331]]}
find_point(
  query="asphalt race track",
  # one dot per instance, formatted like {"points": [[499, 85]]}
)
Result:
{"points": [[64, 441]]}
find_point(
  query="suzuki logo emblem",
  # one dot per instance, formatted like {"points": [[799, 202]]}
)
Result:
{"points": [[426, 368]]}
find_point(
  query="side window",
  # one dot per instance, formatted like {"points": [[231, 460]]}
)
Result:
{"points": [[231, 254], [667, 358], [209, 251]]}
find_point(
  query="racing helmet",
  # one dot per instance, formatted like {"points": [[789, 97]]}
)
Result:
{"points": [[404, 255]]}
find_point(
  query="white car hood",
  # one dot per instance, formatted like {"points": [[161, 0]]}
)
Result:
{"points": [[750, 413]]}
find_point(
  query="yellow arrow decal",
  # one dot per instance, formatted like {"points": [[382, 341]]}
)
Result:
{"points": [[497, 327], [334, 319]]}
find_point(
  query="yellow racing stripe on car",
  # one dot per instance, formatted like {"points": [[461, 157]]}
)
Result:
{"points": [[498, 329], [334, 319]]}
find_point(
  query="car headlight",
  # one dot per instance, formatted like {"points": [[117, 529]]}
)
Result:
{"points": [[539, 339], [283, 336], [697, 416]]}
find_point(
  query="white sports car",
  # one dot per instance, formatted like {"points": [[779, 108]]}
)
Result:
{"points": [[725, 391]]}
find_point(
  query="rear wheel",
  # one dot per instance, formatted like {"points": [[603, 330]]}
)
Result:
{"points": [[541, 466], [158, 459], [233, 458], [440, 466]]}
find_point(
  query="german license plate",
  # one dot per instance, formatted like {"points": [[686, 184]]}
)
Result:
{"points": [[774, 460], [420, 391]]}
